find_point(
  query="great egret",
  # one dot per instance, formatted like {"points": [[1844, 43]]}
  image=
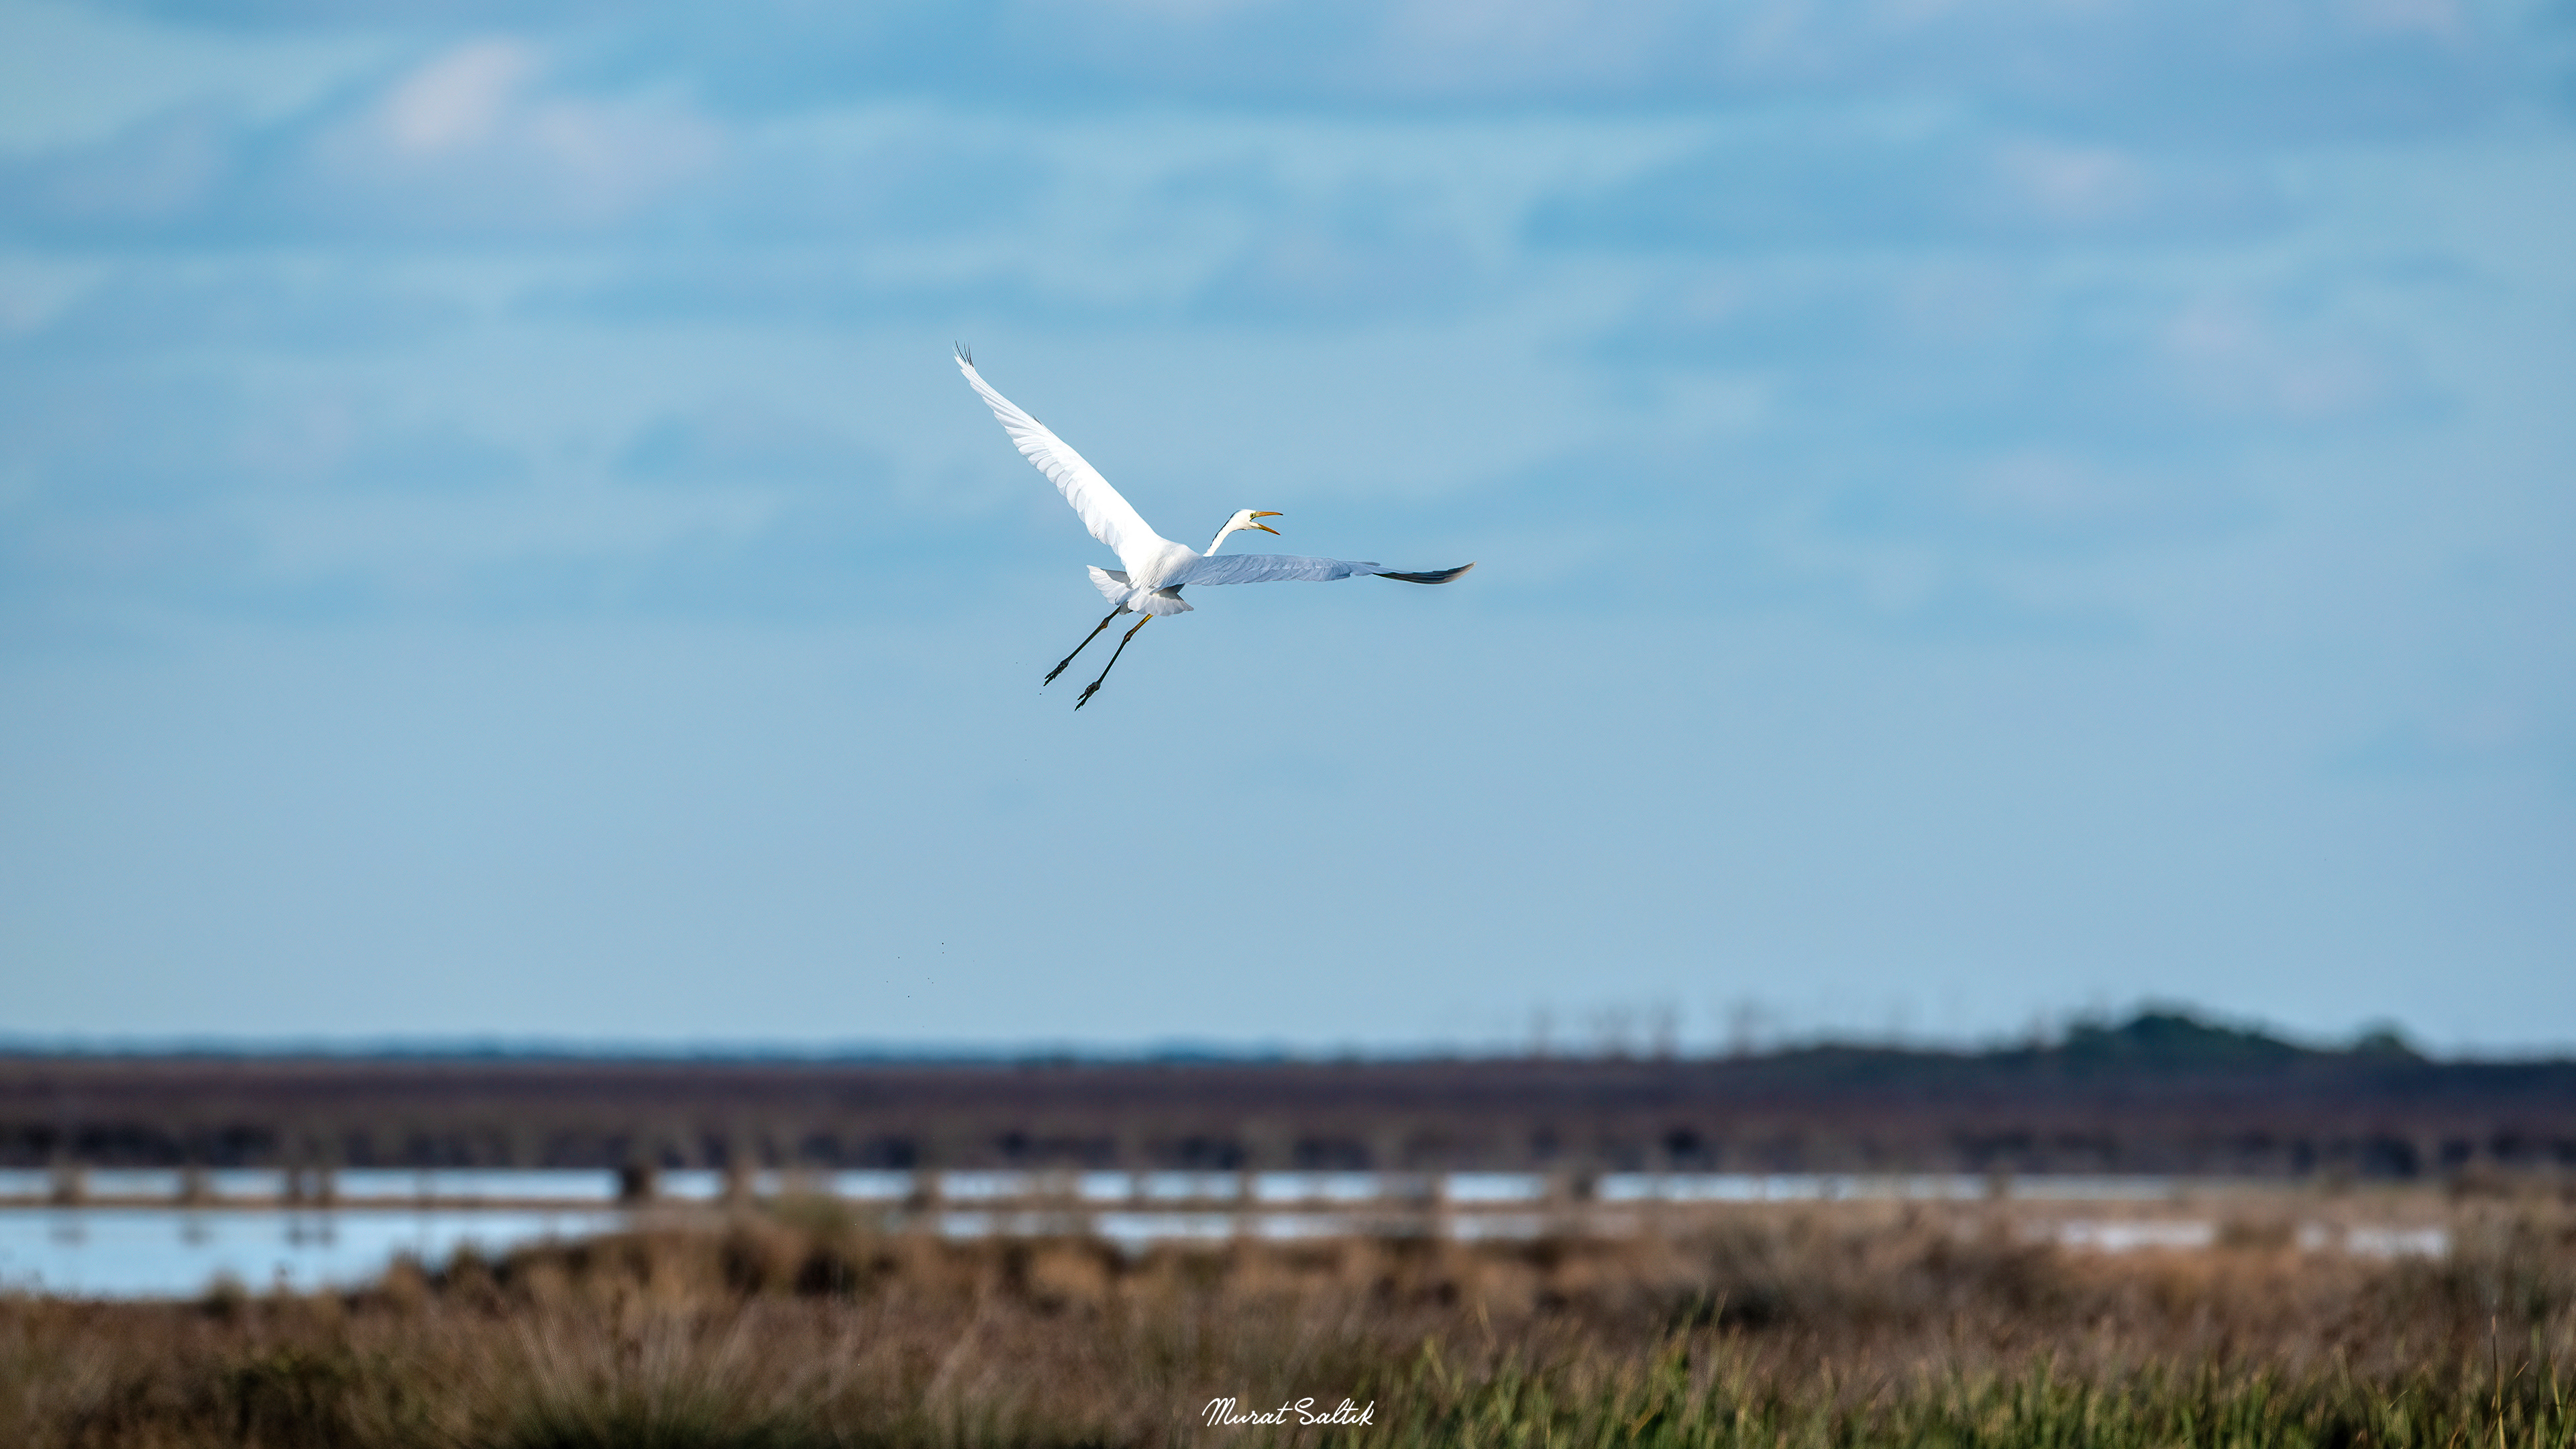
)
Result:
{"points": [[1157, 568]]}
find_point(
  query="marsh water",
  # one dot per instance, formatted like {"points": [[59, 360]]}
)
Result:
{"points": [[148, 1252], [155, 1233]]}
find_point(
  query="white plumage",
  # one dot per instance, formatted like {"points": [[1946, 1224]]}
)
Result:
{"points": [[1157, 569]]}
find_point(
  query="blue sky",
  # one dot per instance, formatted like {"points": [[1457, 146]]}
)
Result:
{"points": [[1985, 511]]}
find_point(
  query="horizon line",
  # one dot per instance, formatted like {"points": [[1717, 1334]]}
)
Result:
{"points": [[1171, 1050]]}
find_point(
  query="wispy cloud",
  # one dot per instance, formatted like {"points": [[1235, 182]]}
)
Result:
{"points": [[1807, 182], [253, 306], [468, 145], [2301, 69]]}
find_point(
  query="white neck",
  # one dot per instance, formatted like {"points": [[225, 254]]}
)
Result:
{"points": [[1220, 537]]}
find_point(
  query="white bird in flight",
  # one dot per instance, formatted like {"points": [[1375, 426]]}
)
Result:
{"points": [[1157, 568]]}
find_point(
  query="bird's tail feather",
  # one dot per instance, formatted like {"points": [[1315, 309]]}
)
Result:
{"points": [[1114, 586]]}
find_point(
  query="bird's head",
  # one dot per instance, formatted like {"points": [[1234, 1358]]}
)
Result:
{"points": [[1250, 518]]}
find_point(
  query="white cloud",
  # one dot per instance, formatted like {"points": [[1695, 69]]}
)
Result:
{"points": [[458, 98], [2234, 358], [470, 140]]}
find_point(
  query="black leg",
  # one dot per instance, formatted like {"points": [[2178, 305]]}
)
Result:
{"points": [[1078, 648], [1094, 686]]}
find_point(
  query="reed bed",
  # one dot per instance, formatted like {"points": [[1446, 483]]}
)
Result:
{"points": [[1826, 1325]]}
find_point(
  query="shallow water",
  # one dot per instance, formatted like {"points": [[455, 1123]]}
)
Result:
{"points": [[173, 1252], [239, 1229], [524, 1187], [96, 1252], [348, 1184]]}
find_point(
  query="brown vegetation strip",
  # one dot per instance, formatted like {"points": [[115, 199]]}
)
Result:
{"points": [[1833, 1325]]}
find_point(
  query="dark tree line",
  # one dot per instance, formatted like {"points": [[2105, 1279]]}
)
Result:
{"points": [[2162, 1092]]}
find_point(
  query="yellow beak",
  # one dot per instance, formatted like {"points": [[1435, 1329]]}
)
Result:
{"points": [[1266, 528]]}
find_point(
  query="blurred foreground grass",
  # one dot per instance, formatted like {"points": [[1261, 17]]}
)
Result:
{"points": [[1828, 1325]]}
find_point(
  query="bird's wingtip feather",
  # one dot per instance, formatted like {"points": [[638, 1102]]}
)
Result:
{"points": [[1436, 576]]}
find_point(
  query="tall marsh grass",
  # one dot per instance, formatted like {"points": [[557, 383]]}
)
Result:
{"points": [[1830, 1325]]}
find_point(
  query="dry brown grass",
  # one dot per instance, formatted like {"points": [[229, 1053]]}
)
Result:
{"points": [[1844, 1324]]}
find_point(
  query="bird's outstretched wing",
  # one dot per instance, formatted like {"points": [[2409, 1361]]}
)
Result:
{"points": [[1268, 568], [1109, 517]]}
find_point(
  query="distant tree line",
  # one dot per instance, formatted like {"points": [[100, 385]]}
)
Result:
{"points": [[2161, 1092]]}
